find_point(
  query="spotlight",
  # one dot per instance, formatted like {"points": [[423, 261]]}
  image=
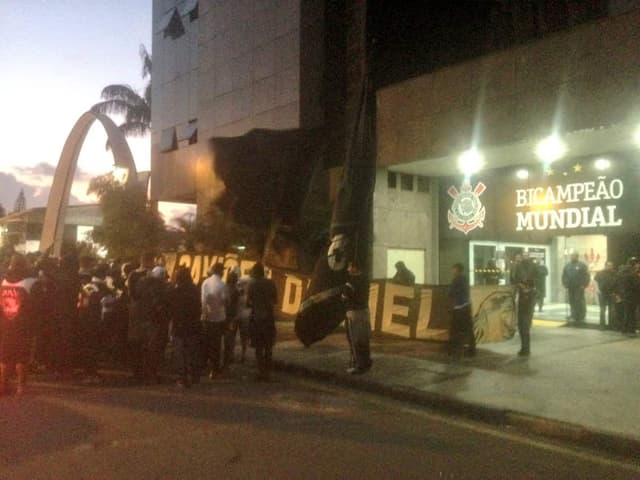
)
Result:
{"points": [[602, 164], [550, 149], [522, 174], [470, 161]]}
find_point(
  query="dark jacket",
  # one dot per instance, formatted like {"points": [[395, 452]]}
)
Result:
{"points": [[184, 310], [575, 275], [607, 281], [459, 292], [628, 286], [356, 292], [262, 297], [525, 279]]}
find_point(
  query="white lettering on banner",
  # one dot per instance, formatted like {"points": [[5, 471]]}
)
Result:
{"points": [[291, 303]]}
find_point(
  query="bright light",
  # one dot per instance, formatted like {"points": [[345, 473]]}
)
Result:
{"points": [[522, 174], [470, 162], [602, 164], [636, 136], [551, 149], [120, 174]]}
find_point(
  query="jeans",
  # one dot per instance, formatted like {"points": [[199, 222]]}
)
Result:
{"points": [[577, 304], [214, 336], [358, 333], [526, 306], [606, 302], [187, 357], [264, 354], [630, 308]]}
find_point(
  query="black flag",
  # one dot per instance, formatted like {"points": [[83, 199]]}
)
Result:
{"points": [[350, 233]]}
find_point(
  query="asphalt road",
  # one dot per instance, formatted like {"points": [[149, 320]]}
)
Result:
{"points": [[286, 429]]}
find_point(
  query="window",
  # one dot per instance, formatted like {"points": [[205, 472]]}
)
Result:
{"points": [[406, 182], [423, 184], [174, 28], [193, 14], [392, 180], [189, 132], [168, 140]]}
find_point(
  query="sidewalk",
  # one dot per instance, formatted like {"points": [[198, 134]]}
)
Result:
{"points": [[578, 384]]}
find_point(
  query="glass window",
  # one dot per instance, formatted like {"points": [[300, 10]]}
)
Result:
{"points": [[422, 184], [406, 182], [392, 180]]}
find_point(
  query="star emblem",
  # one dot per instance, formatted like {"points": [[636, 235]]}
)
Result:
{"points": [[577, 168]]}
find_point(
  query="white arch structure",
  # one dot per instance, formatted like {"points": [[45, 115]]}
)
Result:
{"points": [[54, 219]]}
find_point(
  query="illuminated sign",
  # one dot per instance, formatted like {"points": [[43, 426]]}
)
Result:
{"points": [[467, 212]]}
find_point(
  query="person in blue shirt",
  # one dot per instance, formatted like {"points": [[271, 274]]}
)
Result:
{"points": [[461, 332]]}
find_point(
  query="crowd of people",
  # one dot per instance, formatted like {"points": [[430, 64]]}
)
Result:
{"points": [[71, 315]]}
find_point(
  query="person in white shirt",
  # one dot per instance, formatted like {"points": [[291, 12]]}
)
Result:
{"points": [[214, 300]]}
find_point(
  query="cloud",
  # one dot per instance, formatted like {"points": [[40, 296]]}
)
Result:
{"points": [[36, 182]]}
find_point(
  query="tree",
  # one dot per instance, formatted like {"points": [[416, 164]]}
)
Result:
{"points": [[129, 227], [120, 99], [21, 203]]}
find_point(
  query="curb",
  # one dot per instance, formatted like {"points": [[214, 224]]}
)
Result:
{"points": [[554, 429]]}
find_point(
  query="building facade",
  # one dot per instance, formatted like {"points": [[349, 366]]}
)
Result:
{"points": [[512, 192]]}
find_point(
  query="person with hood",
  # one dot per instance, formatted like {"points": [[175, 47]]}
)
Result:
{"points": [[576, 278], [185, 327], [403, 275], [16, 322], [262, 297]]}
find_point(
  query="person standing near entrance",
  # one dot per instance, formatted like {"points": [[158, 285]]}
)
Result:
{"points": [[461, 332], [525, 279], [541, 284], [629, 290], [607, 280], [575, 278]]}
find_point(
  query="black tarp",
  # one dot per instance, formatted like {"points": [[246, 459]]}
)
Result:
{"points": [[266, 174], [350, 232]]}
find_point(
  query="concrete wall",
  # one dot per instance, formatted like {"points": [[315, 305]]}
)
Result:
{"points": [[588, 73], [405, 220], [236, 68]]}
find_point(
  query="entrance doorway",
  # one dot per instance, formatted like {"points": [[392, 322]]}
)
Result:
{"points": [[492, 262]]}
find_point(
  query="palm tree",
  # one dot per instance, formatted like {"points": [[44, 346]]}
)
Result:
{"points": [[122, 99]]}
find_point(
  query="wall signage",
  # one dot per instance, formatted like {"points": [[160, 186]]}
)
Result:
{"points": [[467, 211], [552, 207]]}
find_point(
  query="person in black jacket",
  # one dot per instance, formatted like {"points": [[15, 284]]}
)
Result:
{"points": [[403, 275], [185, 327], [461, 331], [576, 278], [607, 280], [525, 278], [629, 290], [262, 297]]}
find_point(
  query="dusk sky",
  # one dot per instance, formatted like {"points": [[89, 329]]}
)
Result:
{"points": [[56, 57]]}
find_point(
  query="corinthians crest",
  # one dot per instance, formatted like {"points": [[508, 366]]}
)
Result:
{"points": [[467, 212]]}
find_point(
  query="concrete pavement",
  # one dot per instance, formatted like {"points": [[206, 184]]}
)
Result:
{"points": [[580, 384]]}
